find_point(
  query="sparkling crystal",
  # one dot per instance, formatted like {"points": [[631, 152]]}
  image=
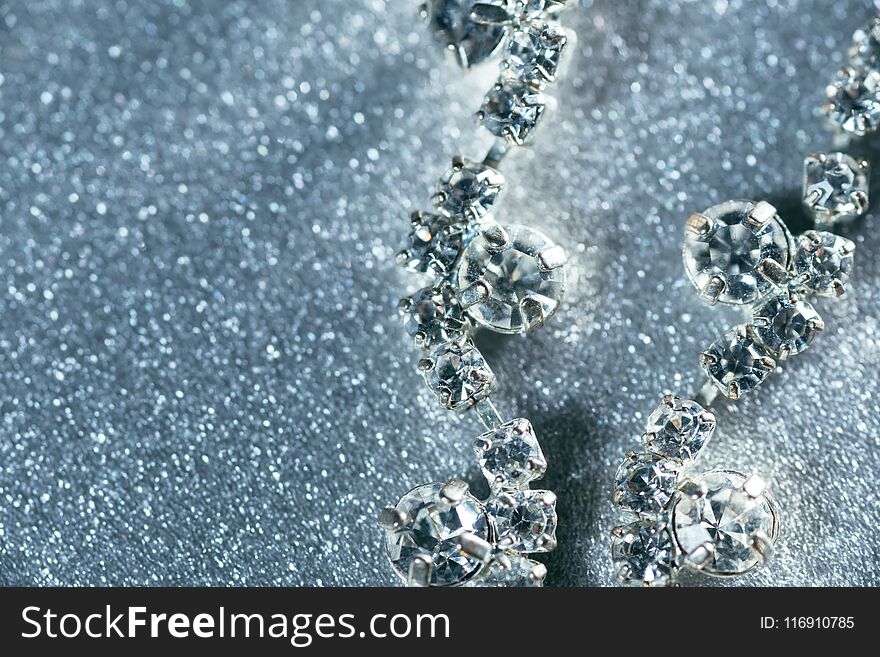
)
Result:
{"points": [[468, 190], [471, 42], [432, 315], [433, 529], [532, 9], [725, 518], [521, 287], [736, 363], [643, 553], [525, 520], [457, 373], [725, 248], [509, 455], [511, 110], [865, 49], [826, 261], [835, 186], [786, 325], [854, 100], [511, 570], [644, 483], [534, 51], [433, 244], [678, 429]]}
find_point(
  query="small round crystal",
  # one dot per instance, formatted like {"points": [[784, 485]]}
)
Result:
{"points": [[468, 190], [736, 363], [644, 483], [678, 429], [825, 260], [835, 186], [511, 110], [642, 552], [471, 42], [786, 325], [854, 101]]}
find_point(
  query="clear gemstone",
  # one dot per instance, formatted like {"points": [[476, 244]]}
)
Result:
{"points": [[525, 520], [468, 190], [835, 186], [678, 429], [644, 483], [643, 553], [737, 363], [458, 374], [854, 101], [536, 8], [471, 42], [726, 245], [432, 316], [786, 325], [534, 51], [825, 260], [515, 277], [511, 110], [433, 244], [725, 518], [865, 50], [510, 456], [433, 529], [511, 570]]}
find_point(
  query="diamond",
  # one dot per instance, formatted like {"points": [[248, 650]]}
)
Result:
{"points": [[854, 101], [835, 186], [525, 520], [786, 325], [725, 530], [510, 456], [736, 363], [644, 483], [825, 261], [536, 8], [429, 528], [643, 552], [471, 42], [733, 250], [865, 49], [468, 190], [678, 429], [433, 244], [534, 51], [432, 315], [524, 285], [510, 570], [458, 374], [511, 110], [509, 11]]}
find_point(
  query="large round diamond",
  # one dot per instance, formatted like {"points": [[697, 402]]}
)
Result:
{"points": [[519, 283], [724, 528], [433, 529], [678, 429], [732, 249], [471, 42]]}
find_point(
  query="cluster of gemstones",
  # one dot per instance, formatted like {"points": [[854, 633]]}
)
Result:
{"points": [[741, 253], [506, 278]]}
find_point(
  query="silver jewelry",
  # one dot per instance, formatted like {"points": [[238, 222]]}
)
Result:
{"points": [[506, 278], [741, 253]]}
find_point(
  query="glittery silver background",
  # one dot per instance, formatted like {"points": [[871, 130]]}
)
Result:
{"points": [[202, 376]]}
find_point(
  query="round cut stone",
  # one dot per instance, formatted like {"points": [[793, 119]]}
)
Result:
{"points": [[727, 246], [643, 553], [534, 51], [854, 100], [720, 532], [525, 520], [432, 529], [524, 290], [645, 483], [678, 429], [511, 110], [510, 570], [472, 42], [433, 244], [835, 186], [865, 49], [468, 190], [432, 316], [458, 374], [786, 325], [826, 261], [510, 456], [736, 363]]}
